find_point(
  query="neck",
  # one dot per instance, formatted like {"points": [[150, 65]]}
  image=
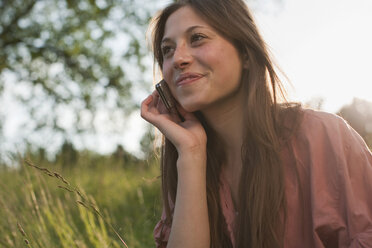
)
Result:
{"points": [[226, 118]]}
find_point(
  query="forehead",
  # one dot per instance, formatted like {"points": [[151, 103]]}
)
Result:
{"points": [[182, 19]]}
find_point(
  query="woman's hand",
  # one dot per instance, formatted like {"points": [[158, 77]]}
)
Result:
{"points": [[190, 140], [187, 136]]}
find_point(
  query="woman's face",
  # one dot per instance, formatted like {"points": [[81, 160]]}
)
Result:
{"points": [[200, 66]]}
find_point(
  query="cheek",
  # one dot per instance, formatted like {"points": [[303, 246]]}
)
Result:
{"points": [[167, 74], [214, 58]]}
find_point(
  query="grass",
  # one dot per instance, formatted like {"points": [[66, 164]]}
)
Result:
{"points": [[95, 203]]}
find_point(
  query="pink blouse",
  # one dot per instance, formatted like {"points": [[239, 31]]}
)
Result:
{"points": [[334, 166]]}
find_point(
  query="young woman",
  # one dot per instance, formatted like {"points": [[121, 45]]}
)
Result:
{"points": [[245, 168]]}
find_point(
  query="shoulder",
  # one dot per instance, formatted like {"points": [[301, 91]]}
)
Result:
{"points": [[308, 123], [315, 121], [334, 170], [318, 126], [325, 138]]}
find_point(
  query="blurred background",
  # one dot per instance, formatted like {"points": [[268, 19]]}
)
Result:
{"points": [[74, 73], [72, 76]]}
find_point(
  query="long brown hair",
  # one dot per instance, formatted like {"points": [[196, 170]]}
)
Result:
{"points": [[261, 191]]}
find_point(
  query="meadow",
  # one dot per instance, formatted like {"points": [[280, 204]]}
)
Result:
{"points": [[51, 204]]}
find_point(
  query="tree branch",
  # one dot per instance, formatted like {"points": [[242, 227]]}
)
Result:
{"points": [[15, 19]]}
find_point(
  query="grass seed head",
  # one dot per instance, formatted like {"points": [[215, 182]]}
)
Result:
{"points": [[62, 187], [21, 229], [83, 204]]}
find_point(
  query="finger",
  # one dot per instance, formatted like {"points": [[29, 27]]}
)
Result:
{"points": [[159, 103], [155, 97], [155, 93], [149, 108], [161, 107], [151, 113], [164, 110], [145, 114]]}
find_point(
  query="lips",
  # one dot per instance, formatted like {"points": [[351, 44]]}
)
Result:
{"points": [[187, 78]]}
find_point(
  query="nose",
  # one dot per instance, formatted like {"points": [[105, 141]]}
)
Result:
{"points": [[182, 56]]}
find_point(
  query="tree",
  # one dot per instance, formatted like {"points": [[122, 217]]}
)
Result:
{"points": [[60, 57], [315, 103], [68, 62], [359, 115]]}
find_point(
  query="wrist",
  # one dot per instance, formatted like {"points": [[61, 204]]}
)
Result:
{"points": [[192, 151], [192, 161]]}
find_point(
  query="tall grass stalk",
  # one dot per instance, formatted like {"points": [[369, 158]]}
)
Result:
{"points": [[73, 189], [50, 215], [24, 235]]}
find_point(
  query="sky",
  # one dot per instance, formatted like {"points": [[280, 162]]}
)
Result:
{"points": [[323, 47]]}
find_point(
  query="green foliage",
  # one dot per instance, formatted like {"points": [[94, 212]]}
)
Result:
{"points": [[66, 55], [127, 197], [148, 142], [359, 115]]}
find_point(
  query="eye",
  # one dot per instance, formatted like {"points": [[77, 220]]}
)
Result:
{"points": [[197, 37], [166, 50]]}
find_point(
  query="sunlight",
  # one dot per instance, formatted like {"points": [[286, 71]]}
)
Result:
{"points": [[324, 48]]}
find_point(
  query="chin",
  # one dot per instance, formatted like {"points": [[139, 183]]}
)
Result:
{"points": [[192, 106]]}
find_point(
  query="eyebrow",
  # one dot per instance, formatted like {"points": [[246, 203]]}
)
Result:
{"points": [[189, 30]]}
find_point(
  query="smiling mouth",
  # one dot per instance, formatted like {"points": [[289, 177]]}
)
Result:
{"points": [[187, 79]]}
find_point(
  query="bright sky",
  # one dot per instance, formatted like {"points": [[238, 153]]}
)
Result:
{"points": [[323, 46]]}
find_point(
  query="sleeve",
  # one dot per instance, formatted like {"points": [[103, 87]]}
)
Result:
{"points": [[161, 232], [355, 169], [341, 185]]}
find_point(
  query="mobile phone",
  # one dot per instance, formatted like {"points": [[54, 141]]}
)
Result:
{"points": [[167, 98]]}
